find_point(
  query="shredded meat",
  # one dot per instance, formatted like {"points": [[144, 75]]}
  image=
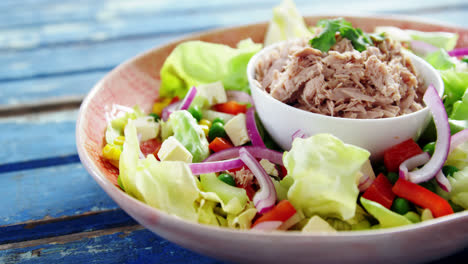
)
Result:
{"points": [[376, 83]]}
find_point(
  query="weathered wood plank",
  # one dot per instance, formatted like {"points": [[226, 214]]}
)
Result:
{"points": [[39, 229], [114, 24], [52, 192], [37, 136], [131, 245]]}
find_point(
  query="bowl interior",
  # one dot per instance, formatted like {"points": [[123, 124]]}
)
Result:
{"points": [[136, 82]]}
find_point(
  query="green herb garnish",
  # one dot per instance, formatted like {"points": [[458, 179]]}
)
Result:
{"points": [[326, 39]]}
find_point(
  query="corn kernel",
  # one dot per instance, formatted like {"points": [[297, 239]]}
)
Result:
{"points": [[159, 106], [205, 122], [111, 152], [119, 140], [205, 129]]}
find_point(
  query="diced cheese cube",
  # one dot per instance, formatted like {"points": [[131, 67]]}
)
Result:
{"points": [[317, 224], [146, 128], [269, 167], [236, 129], [172, 150], [214, 92], [211, 115]]}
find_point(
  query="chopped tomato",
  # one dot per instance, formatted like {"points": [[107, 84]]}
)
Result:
{"points": [[174, 99], [284, 171], [395, 155], [380, 191], [281, 212], [150, 146], [231, 107], [219, 144], [422, 197]]}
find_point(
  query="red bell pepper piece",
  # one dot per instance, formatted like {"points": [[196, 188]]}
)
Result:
{"points": [[281, 212], [219, 144], [422, 197], [150, 146], [231, 107], [380, 191], [395, 155]]}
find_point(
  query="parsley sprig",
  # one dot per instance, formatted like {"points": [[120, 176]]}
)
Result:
{"points": [[326, 39]]}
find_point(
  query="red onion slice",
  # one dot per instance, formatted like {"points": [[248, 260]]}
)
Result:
{"points": [[167, 111], [299, 134], [188, 98], [458, 52], [443, 182], [422, 48], [413, 163], [265, 198], [258, 152], [434, 165], [365, 182], [216, 166], [458, 139], [267, 225], [252, 130], [239, 96]]}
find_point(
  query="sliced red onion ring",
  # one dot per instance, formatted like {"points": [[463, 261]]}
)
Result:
{"points": [[188, 99], [267, 225], [239, 96], [265, 198], [458, 52], [167, 111], [252, 130], [422, 48], [258, 152], [443, 182], [216, 166], [458, 139], [434, 165], [299, 134], [365, 182], [413, 163]]}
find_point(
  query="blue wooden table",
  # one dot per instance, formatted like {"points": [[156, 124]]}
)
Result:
{"points": [[51, 54]]}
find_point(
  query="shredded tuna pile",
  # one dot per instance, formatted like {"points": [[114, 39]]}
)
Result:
{"points": [[376, 83]]}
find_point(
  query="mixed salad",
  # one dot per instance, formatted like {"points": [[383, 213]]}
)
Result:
{"points": [[203, 155]]}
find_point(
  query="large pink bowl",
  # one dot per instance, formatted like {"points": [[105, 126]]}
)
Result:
{"points": [[137, 81]]}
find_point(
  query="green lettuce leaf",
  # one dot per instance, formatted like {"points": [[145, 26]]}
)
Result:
{"points": [[115, 128], [324, 172], [459, 182], [287, 23], [187, 131], [195, 62], [243, 220], [385, 217]]}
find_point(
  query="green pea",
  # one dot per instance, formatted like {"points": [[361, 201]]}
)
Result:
{"points": [[401, 206], [227, 178], [429, 148], [449, 170], [155, 116], [216, 130], [196, 113], [218, 120], [392, 177], [380, 169]]}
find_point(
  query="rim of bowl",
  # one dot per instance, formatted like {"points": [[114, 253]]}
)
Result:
{"points": [[117, 195], [253, 83]]}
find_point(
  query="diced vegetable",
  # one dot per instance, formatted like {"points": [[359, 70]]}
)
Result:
{"points": [[227, 178], [401, 206], [195, 112], [150, 146], [111, 152], [281, 212], [236, 129], [422, 197], [385, 217], [219, 144], [380, 191], [231, 107], [172, 150], [217, 130], [395, 155]]}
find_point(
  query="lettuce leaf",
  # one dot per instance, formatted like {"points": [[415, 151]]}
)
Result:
{"points": [[195, 62], [459, 182], [324, 172], [187, 131], [287, 23], [385, 217]]}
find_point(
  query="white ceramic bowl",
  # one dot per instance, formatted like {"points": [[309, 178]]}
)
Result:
{"points": [[136, 82], [376, 135]]}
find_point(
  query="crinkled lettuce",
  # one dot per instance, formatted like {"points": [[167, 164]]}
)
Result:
{"points": [[287, 23], [459, 182], [187, 131], [324, 172], [115, 128], [196, 62], [385, 217]]}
